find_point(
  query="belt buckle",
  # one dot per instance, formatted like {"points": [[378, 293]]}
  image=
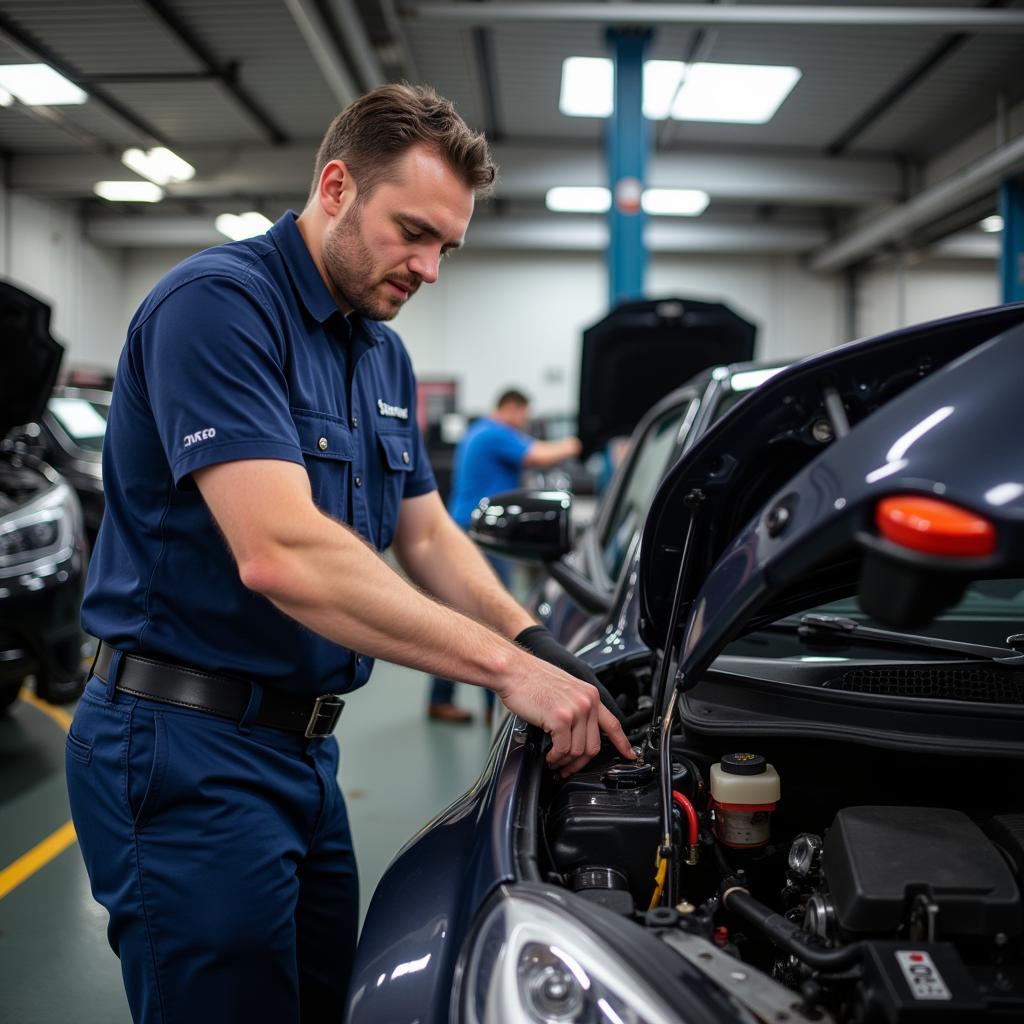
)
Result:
{"points": [[324, 717]]}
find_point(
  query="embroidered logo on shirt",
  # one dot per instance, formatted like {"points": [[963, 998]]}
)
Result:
{"points": [[199, 435], [395, 411]]}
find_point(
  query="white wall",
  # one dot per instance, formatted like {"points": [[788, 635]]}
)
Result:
{"points": [[498, 319], [501, 319], [45, 253], [888, 298]]}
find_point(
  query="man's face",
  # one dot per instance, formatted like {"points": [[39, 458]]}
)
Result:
{"points": [[517, 415], [385, 245]]}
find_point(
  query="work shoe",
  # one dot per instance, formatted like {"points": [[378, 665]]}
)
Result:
{"points": [[448, 713]]}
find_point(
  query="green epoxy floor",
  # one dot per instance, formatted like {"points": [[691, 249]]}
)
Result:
{"points": [[397, 771]]}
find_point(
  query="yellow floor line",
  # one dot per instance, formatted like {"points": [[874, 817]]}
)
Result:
{"points": [[57, 842], [58, 715], [38, 857]]}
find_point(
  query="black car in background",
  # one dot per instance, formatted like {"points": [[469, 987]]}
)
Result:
{"points": [[69, 435], [43, 546]]}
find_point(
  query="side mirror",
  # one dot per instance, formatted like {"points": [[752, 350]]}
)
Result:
{"points": [[534, 526]]}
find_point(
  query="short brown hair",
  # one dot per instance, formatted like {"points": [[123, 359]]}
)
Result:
{"points": [[513, 396], [374, 131]]}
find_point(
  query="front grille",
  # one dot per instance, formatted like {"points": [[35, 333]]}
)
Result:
{"points": [[983, 685]]}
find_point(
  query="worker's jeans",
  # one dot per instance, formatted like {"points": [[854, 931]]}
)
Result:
{"points": [[223, 857]]}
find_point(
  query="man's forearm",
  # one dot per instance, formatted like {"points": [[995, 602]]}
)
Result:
{"points": [[448, 565], [334, 584]]}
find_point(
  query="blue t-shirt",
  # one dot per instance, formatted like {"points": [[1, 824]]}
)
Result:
{"points": [[488, 460], [240, 352]]}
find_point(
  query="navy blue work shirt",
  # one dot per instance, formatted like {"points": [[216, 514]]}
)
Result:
{"points": [[241, 353]]}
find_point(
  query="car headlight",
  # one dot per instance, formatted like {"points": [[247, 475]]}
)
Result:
{"points": [[40, 529], [532, 965]]}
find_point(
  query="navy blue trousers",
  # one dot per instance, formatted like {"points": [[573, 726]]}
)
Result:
{"points": [[223, 857]]}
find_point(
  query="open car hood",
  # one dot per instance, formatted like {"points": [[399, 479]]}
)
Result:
{"points": [[778, 444], [642, 350], [29, 357]]}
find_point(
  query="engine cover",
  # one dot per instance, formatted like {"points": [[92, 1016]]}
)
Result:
{"points": [[877, 859]]}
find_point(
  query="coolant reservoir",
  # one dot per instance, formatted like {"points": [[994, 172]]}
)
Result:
{"points": [[744, 791]]}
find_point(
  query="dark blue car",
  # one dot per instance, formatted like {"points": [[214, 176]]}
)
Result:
{"points": [[817, 640]]}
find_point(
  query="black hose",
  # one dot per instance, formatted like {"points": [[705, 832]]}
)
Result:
{"points": [[789, 936]]}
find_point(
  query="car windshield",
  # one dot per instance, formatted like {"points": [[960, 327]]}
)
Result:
{"points": [[988, 612], [84, 421]]}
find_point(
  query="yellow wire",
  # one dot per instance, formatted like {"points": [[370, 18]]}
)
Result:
{"points": [[659, 882]]}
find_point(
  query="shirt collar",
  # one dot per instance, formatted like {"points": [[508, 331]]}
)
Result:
{"points": [[304, 274]]}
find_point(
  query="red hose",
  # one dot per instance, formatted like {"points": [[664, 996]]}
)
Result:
{"points": [[691, 817]]}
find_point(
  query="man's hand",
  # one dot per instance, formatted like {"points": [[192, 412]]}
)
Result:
{"points": [[567, 708], [539, 641]]}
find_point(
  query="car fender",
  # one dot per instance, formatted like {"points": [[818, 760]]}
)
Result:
{"points": [[424, 906]]}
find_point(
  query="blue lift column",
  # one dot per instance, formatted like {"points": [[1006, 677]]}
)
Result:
{"points": [[627, 160], [1011, 260]]}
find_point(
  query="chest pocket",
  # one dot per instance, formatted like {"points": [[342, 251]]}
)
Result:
{"points": [[327, 447], [397, 455]]}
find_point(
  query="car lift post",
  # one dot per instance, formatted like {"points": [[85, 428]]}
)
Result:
{"points": [[628, 141], [1011, 260]]}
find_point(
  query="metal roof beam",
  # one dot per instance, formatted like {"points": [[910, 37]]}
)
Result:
{"points": [[553, 233], [36, 51], [527, 172], [225, 74], [324, 50], [955, 191], [357, 42], [955, 19]]}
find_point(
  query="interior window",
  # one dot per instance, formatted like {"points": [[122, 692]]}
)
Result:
{"points": [[647, 467]]}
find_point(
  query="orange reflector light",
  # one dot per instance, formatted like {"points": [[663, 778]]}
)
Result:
{"points": [[934, 527]]}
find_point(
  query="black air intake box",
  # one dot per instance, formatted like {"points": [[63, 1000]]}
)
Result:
{"points": [[877, 859]]}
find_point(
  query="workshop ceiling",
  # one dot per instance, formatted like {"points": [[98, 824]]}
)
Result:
{"points": [[243, 89]]}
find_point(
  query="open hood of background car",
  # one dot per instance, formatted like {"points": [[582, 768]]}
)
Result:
{"points": [[768, 439], [29, 357], [642, 350]]}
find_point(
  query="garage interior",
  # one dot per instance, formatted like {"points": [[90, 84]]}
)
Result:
{"points": [[885, 190]]}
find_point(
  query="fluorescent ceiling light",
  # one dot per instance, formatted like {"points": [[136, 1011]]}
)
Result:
{"points": [[671, 202], [129, 191], [242, 225], [586, 87], [743, 93], [674, 202], [738, 93], [159, 165], [6, 99], [991, 224], [661, 79], [38, 85], [578, 199]]}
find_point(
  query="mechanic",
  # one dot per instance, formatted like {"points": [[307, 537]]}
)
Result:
{"points": [[261, 449], [488, 460]]}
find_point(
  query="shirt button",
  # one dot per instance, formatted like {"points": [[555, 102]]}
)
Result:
{"points": [[358, 481], [322, 444], [355, 422], [405, 458]]}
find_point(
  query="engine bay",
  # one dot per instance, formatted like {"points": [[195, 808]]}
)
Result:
{"points": [[811, 880]]}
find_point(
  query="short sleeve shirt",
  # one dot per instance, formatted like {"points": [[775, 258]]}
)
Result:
{"points": [[238, 353], [488, 461]]}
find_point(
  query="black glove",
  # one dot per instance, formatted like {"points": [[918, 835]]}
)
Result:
{"points": [[541, 644]]}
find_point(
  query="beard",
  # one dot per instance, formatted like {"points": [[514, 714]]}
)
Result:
{"points": [[354, 274]]}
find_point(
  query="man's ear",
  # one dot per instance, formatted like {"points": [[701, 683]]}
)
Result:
{"points": [[337, 189]]}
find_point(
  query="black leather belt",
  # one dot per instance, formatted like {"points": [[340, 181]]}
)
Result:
{"points": [[164, 681]]}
